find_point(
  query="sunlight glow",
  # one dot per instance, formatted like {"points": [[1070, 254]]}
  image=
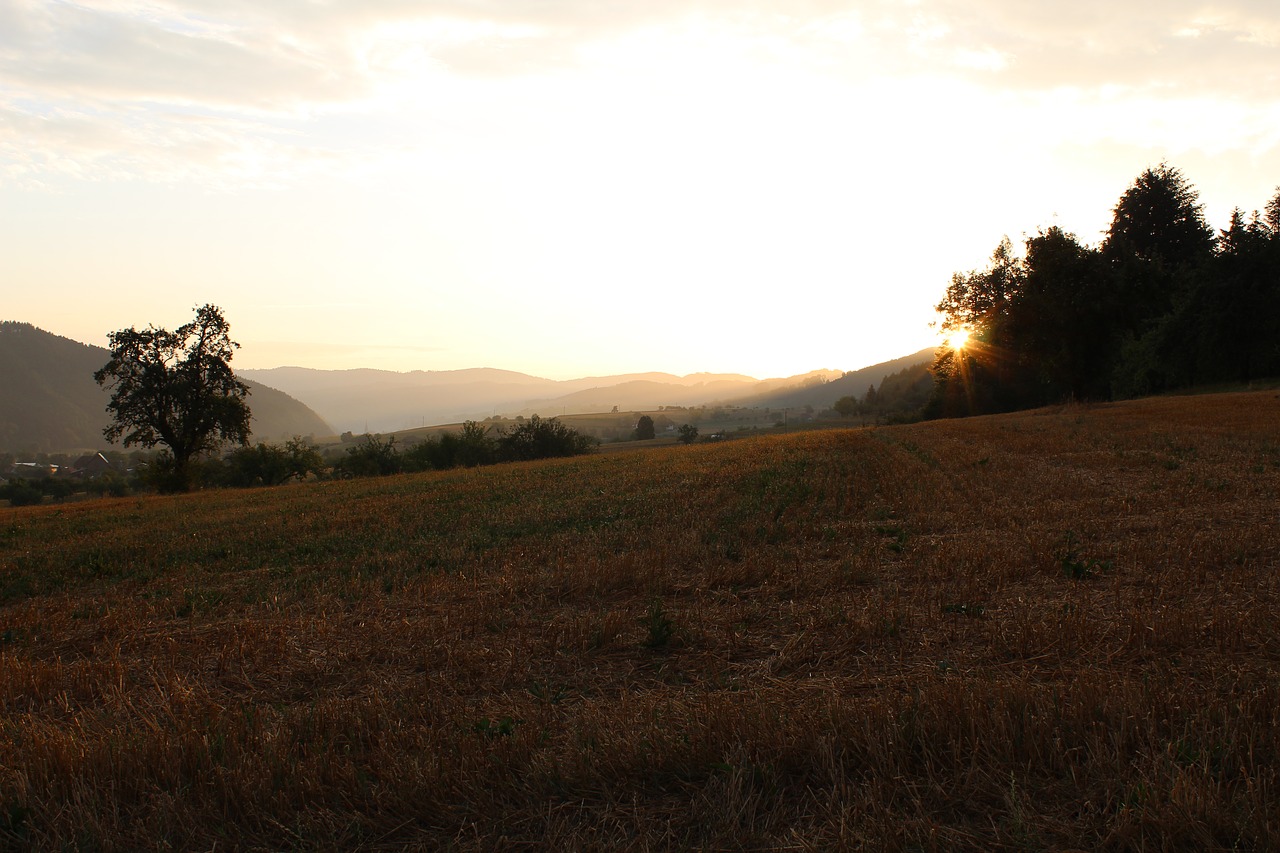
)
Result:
{"points": [[958, 339]]}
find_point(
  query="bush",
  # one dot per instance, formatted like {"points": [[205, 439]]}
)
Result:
{"points": [[58, 488], [471, 447], [426, 455], [475, 445], [21, 493], [162, 475], [372, 457], [543, 439], [109, 483], [271, 465]]}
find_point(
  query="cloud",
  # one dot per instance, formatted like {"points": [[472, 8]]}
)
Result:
{"points": [[62, 142], [64, 51], [288, 54], [247, 91], [1177, 46]]}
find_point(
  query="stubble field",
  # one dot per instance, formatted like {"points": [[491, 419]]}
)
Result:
{"points": [[1037, 631]]}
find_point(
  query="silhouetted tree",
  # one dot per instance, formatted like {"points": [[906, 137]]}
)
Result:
{"points": [[979, 301], [644, 428], [1271, 215], [687, 433], [1159, 220], [1157, 238], [1062, 320], [176, 389]]}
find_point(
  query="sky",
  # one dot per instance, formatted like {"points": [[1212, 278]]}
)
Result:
{"points": [[575, 188]]}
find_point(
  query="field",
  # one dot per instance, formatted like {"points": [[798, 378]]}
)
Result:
{"points": [[1042, 631]]}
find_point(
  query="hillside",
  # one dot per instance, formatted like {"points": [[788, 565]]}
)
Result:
{"points": [[649, 394], [823, 394], [1048, 630], [385, 401], [50, 403]]}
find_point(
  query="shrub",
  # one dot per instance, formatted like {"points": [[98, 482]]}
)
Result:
{"points": [[372, 457], [271, 465], [468, 448], [57, 488], [110, 483], [162, 475], [21, 493], [542, 439]]}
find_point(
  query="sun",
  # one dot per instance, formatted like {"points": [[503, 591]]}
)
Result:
{"points": [[957, 339]]}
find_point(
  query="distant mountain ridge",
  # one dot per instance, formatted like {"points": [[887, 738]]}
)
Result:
{"points": [[50, 403], [853, 383], [365, 400]]}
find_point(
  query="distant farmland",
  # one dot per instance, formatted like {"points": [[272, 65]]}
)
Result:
{"points": [[1035, 631]]}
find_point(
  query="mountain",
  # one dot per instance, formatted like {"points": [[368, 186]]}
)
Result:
{"points": [[823, 394], [50, 403], [385, 401], [363, 400]]}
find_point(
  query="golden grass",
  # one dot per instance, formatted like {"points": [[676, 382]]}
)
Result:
{"points": [[1037, 631]]}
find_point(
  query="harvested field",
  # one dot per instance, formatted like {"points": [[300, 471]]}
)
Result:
{"points": [[1040, 631]]}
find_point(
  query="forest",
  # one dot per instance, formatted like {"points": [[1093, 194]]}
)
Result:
{"points": [[1164, 303]]}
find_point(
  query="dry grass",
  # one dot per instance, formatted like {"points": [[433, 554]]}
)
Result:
{"points": [[1041, 631]]}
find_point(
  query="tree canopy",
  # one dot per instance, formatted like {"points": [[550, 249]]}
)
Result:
{"points": [[1159, 220], [176, 389]]}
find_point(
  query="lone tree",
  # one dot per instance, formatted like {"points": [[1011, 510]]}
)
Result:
{"points": [[645, 428], [846, 407], [176, 389]]}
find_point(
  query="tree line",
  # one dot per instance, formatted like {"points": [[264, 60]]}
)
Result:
{"points": [[1162, 303], [901, 397], [475, 444]]}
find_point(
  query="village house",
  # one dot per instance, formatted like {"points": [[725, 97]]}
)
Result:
{"points": [[89, 466]]}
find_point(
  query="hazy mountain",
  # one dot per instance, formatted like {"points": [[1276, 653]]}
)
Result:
{"points": [[50, 403], [694, 390], [386, 401], [822, 395], [363, 400]]}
